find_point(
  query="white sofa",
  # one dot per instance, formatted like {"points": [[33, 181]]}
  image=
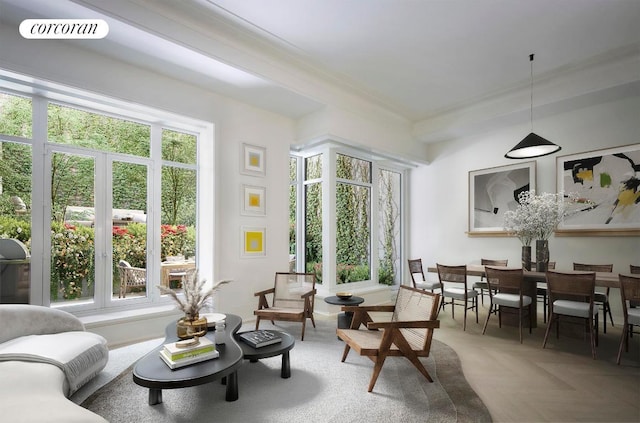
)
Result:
{"points": [[45, 356]]}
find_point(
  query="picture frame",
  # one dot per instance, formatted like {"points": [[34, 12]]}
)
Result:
{"points": [[253, 241], [606, 184], [495, 190], [253, 201], [253, 160]]}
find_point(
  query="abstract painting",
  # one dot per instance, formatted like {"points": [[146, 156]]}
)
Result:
{"points": [[253, 242], [253, 200], [253, 160], [495, 190], [607, 186]]}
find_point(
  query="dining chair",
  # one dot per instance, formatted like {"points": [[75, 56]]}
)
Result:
{"points": [[416, 271], [629, 294], [601, 298], [482, 284], [571, 294], [453, 280], [505, 290], [541, 289]]}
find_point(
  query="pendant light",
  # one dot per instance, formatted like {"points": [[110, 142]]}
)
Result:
{"points": [[533, 145]]}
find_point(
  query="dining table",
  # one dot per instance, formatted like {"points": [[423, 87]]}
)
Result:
{"points": [[532, 278]]}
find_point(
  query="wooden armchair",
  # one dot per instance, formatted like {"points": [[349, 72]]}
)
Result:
{"points": [[293, 299], [130, 277], [408, 334]]}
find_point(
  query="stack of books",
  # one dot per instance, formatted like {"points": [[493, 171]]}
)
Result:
{"points": [[175, 355], [260, 338]]}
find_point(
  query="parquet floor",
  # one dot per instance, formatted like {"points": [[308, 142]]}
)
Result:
{"points": [[562, 383]]}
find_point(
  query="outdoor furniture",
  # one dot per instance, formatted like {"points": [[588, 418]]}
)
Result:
{"points": [[293, 299], [630, 295], [408, 334], [579, 287], [505, 290], [130, 277]]}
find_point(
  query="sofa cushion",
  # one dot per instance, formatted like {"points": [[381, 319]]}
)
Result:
{"points": [[80, 355], [24, 319], [32, 392]]}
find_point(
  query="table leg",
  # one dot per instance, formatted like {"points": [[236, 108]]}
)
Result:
{"points": [[155, 396], [285, 370], [232, 387]]}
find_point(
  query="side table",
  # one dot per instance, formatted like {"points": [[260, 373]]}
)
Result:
{"points": [[281, 348], [344, 319]]}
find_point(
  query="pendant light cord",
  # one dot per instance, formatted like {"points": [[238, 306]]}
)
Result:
{"points": [[531, 102]]}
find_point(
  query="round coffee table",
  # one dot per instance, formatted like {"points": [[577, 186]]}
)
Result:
{"points": [[344, 319], [281, 348]]}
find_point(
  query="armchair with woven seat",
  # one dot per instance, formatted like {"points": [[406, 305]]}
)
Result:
{"points": [[293, 299], [130, 277], [408, 333], [601, 298]]}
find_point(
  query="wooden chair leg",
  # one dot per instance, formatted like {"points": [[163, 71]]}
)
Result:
{"points": [[376, 371], [257, 322], [624, 339], [546, 333], [347, 348], [484, 329]]}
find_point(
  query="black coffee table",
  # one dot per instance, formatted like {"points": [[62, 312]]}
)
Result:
{"points": [[344, 319], [151, 372], [281, 348]]}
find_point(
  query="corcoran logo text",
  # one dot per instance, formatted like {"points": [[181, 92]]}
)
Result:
{"points": [[64, 28]]}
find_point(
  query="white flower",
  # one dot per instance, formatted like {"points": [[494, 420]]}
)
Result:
{"points": [[537, 216]]}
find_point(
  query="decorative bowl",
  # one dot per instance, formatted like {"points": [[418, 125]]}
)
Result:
{"points": [[344, 295]]}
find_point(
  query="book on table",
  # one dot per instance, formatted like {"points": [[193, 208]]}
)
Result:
{"points": [[260, 338], [188, 348], [174, 364]]}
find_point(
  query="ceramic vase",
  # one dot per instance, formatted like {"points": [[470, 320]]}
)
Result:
{"points": [[526, 257], [189, 327], [542, 255]]}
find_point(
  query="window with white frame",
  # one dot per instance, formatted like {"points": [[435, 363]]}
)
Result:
{"points": [[119, 189], [353, 202]]}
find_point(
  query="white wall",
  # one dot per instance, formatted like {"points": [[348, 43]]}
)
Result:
{"points": [[439, 191]]}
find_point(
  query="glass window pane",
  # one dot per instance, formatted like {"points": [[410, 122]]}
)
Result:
{"points": [[313, 230], [179, 147], [15, 218], [293, 169], [71, 126], [353, 169], [313, 167], [15, 115], [178, 225], [129, 230], [293, 205], [353, 205], [72, 235], [389, 227]]}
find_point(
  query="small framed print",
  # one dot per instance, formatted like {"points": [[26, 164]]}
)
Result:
{"points": [[253, 201], [253, 241], [253, 160]]}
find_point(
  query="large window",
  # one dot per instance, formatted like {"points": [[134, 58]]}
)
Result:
{"points": [[119, 187], [352, 236]]}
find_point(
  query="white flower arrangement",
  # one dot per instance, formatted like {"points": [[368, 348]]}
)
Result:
{"points": [[194, 295], [537, 216]]}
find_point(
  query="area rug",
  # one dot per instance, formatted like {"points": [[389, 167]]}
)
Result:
{"points": [[320, 389]]}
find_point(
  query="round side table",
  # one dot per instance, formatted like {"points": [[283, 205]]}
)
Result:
{"points": [[344, 319]]}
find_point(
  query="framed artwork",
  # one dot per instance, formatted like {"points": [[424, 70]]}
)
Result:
{"points": [[253, 201], [253, 160], [495, 190], [607, 186], [253, 241]]}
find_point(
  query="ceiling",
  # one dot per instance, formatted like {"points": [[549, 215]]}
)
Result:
{"points": [[418, 59]]}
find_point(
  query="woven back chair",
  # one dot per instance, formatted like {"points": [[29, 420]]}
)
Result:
{"points": [[130, 277], [293, 296], [601, 298], [454, 286], [630, 295], [417, 272], [482, 284], [505, 290], [408, 334], [572, 294], [541, 289]]}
